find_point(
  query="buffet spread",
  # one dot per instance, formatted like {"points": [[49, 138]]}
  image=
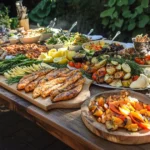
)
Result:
{"points": [[52, 68]]}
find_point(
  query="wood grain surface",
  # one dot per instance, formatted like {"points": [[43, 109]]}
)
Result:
{"points": [[65, 124], [121, 136], [46, 104]]}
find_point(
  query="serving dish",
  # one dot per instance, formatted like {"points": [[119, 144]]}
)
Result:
{"points": [[30, 40], [114, 87], [121, 136], [103, 43]]}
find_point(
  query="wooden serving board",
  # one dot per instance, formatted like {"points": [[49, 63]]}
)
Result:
{"points": [[121, 136], [46, 103]]}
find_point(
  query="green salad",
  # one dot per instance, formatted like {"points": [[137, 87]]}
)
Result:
{"points": [[57, 39]]}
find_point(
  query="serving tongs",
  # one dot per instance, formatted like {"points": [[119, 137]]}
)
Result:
{"points": [[52, 23], [69, 31]]}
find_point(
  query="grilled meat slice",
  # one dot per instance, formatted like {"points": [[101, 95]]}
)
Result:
{"points": [[32, 85], [48, 91], [56, 73], [69, 94], [43, 86], [24, 81], [69, 81]]}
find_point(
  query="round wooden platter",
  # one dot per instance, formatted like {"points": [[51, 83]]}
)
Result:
{"points": [[47, 104], [121, 136]]}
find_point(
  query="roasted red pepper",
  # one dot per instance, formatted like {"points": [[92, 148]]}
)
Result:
{"points": [[114, 109]]}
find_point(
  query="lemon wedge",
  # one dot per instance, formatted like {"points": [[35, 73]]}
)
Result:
{"points": [[48, 59], [60, 60], [63, 51], [42, 56], [50, 52], [70, 54]]}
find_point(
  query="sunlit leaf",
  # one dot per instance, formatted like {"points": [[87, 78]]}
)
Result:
{"points": [[139, 9], [127, 14], [119, 23], [122, 2], [143, 20], [144, 3], [131, 26], [105, 21], [111, 3], [107, 12]]}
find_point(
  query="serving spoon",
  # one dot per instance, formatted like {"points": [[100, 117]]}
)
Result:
{"points": [[73, 25], [118, 32], [54, 22], [90, 32]]}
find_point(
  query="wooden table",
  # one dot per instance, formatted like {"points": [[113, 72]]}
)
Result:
{"points": [[65, 124]]}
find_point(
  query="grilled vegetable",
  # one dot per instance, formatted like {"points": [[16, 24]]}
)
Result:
{"points": [[118, 67], [127, 76], [114, 62], [126, 83], [108, 78], [94, 60], [116, 83], [79, 57], [126, 68], [119, 75], [110, 69]]}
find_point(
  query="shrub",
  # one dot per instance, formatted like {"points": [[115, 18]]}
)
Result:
{"points": [[131, 17]]}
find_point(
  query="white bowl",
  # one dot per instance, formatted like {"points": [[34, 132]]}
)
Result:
{"points": [[49, 46], [74, 47], [56, 46], [45, 36], [29, 40], [13, 41]]}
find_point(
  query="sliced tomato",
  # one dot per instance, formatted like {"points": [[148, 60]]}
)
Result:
{"points": [[134, 78], [77, 65], [71, 64]]}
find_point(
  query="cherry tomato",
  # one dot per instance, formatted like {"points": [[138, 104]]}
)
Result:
{"points": [[142, 62], [71, 64], [77, 65], [134, 78], [139, 60], [94, 76], [147, 57], [148, 107]]}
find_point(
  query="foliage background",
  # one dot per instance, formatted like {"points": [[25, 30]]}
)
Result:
{"points": [[131, 17], [86, 12]]}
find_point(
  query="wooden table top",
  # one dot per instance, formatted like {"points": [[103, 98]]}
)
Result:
{"points": [[65, 124]]}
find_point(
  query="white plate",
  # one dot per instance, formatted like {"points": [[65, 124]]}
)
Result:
{"points": [[114, 87], [106, 41], [94, 37], [72, 68]]}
